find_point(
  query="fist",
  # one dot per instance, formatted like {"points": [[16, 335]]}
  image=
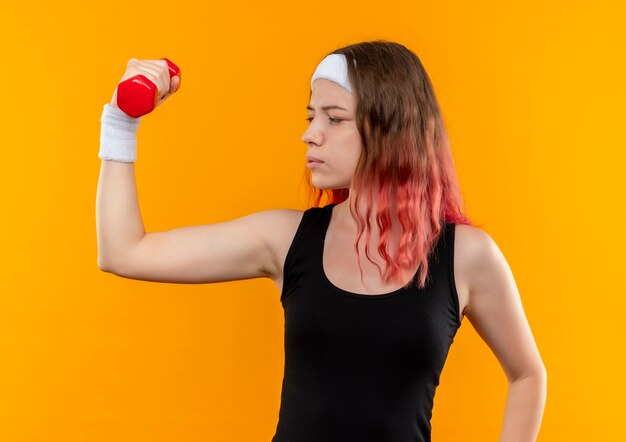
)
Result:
{"points": [[154, 70]]}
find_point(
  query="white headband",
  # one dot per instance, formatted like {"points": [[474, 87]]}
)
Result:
{"points": [[333, 67]]}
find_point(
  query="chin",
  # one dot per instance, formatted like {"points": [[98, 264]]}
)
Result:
{"points": [[323, 184], [322, 187]]}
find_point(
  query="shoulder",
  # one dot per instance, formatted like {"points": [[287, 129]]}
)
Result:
{"points": [[474, 244], [474, 248], [282, 215], [280, 222], [472, 241], [479, 260], [475, 252], [280, 228]]}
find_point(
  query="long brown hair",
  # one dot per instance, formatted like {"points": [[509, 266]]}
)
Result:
{"points": [[406, 163]]}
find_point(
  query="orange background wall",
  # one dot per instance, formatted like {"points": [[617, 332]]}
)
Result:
{"points": [[533, 95]]}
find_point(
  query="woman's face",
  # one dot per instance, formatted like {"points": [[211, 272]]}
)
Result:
{"points": [[332, 135]]}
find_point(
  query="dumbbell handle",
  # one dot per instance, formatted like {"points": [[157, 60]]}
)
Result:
{"points": [[137, 96]]}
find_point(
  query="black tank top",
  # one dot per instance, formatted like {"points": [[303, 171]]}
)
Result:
{"points": [[361, 367]]}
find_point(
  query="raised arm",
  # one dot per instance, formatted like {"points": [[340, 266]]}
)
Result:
{"points": [[118, 222], [243, 248]]}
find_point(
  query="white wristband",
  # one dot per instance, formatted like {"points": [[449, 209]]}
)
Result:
{"points": [[118, 135]]}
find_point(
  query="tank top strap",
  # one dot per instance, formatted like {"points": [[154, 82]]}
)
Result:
{"points": [[442, 248], [305, 250], [445, 251]]}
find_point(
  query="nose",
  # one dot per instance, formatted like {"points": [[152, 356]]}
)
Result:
{"points": [[311, 135]]}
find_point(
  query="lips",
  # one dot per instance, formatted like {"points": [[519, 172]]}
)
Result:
{"points": [[313, 159]]}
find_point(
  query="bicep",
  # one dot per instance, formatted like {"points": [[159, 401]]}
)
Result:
{"points": [[233, 250]]}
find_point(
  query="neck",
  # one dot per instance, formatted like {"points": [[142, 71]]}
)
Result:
{"points": [[344, 220]]}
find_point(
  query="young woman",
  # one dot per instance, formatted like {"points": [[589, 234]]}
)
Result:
{"points": [[368, 320]]}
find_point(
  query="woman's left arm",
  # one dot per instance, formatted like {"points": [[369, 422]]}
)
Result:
{"points": [[495, 311]]}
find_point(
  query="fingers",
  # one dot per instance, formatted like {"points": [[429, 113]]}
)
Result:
{"points": [[174, 84], [156, 71]]}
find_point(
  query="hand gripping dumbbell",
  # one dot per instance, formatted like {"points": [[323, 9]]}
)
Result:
{"points": [[137, 96]]}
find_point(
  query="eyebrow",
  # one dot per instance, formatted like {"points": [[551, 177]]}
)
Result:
{"points": [[328, 107]]}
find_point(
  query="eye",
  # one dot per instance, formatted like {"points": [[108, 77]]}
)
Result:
{"points": [[331, 119]]}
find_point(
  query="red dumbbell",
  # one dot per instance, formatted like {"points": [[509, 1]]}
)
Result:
{"points": [[137, 96]]}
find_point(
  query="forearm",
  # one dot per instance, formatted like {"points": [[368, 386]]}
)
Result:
{"points": [[523, 412], [118, 219]]}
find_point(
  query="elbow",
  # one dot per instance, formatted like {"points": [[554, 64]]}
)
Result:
{"points": [[539, 373], [534, 369], [104, 265]]}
